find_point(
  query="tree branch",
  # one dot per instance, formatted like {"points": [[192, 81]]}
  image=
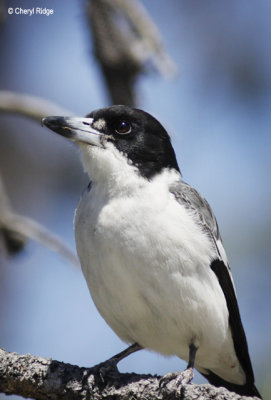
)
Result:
{"points": [[10, 240], [126, 41], [15, 228], [33, 107], [44, 379]]}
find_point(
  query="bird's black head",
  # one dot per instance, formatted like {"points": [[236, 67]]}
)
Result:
{"points": [[135, 133]]}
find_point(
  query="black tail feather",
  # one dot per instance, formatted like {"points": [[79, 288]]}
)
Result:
{"points": [[238, 336], [249, 389]]}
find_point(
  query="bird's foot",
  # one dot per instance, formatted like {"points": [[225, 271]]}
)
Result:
{"points": [[177, 379], [108, 369]]}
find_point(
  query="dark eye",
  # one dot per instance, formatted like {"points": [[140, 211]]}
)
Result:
{"points": [[123, 127]]}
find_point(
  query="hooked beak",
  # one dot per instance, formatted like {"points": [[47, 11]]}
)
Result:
{"points": [[75, 129]]}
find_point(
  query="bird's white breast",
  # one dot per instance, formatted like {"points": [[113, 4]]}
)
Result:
{"points": [[146, 263]]}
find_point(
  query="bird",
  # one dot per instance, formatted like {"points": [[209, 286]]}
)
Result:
{"points": [[150, 248]]}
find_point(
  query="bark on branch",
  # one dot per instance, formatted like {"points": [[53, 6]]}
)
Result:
{"points": [[43, 379]]}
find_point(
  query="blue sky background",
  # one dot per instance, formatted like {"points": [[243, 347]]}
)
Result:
{"points": [[218, 112]]}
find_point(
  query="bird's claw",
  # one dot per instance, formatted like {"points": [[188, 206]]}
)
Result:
{"points": [[177, 379], [108, 369]]}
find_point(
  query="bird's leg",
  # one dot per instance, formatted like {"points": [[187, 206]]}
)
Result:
{"points": [[125, 353], [192, 356], [188, 373], [181, 378], [110, 365]]}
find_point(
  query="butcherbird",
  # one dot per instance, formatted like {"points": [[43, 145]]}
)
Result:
{"points": [[150, 248]]}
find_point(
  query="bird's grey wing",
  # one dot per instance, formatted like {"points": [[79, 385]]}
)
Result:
{"points": [[194, 202], [202, 212]]}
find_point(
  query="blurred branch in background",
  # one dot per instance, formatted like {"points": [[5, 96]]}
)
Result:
{"points": [[11, 241], [14, 228], [126, 39], [33, 107]]}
